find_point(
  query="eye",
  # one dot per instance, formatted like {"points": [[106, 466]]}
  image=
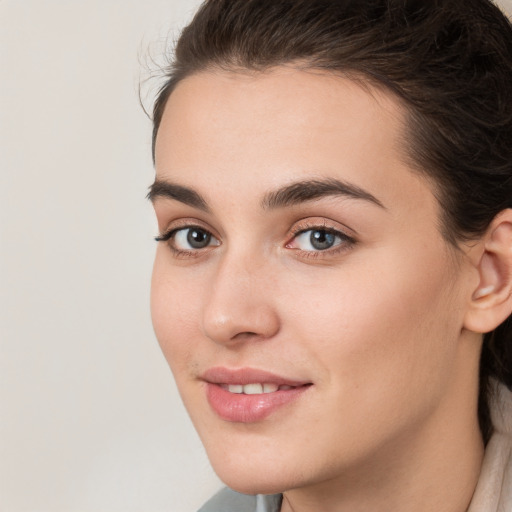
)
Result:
{"points": [[318, 239], [191, 238]]}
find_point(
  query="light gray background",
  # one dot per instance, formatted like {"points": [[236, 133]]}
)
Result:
{"points": [[89, 417]]}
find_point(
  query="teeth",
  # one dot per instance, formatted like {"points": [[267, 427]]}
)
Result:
{"points": [[254, 389]]}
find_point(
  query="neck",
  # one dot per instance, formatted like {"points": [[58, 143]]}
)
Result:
{"points": [[435, 466]]}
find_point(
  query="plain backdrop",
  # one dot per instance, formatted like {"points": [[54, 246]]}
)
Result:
{"points": [[89, 416]]}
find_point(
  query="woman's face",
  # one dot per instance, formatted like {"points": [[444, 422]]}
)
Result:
{"points": [[308, 306]]}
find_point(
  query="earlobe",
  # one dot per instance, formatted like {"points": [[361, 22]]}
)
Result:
{"points": [[491, 302]]}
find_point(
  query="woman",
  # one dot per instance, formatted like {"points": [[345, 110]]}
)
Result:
{"points": [[333, 284]]}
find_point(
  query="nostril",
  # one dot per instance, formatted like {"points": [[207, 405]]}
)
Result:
{"points": [[246, 334]]}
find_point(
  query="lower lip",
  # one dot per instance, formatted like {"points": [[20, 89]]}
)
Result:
{"points": [[241, 408]]}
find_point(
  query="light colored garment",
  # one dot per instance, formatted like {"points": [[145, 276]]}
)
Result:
{"points": [[493, 492], [230, 501]]}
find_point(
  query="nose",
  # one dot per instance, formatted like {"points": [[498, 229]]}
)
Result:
{"points": [[240, 305]]}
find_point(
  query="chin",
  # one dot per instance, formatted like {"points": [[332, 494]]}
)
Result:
{"points": [[251, 475], [249, 483]]}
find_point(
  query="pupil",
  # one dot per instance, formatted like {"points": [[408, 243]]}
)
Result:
{"points": [[198, 239], [322, 240]]}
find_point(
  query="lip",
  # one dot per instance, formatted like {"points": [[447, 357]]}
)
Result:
{"points": [[221, 375], [243, 408]]}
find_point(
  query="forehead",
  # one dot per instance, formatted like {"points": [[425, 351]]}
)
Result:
{"points": [[257, 130], [289, 100]]}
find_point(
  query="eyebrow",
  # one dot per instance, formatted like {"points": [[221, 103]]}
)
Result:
{"points": [[290, 195], [310, 190], [185, 195]]}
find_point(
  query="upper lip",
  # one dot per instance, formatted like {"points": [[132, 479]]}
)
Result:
{"points": [[221, 375]]}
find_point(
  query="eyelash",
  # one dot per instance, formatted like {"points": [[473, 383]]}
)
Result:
{"points": [[346, 242]]}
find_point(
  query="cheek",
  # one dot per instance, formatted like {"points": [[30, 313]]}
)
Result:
{"points": [[173, 311], [382, 319]]}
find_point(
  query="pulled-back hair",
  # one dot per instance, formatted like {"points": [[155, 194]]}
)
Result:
{"points": [[448, 61]]}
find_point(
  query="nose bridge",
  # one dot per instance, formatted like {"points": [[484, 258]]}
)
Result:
{"points": [[239, 304]]}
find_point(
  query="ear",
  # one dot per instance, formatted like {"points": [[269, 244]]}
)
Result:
{"points": [[491, 302]]}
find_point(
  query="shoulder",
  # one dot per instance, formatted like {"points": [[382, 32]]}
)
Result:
{"points": [[228, 500], [493, 492]]}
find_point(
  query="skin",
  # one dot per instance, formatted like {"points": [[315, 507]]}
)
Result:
{"points": [[375, 323]]}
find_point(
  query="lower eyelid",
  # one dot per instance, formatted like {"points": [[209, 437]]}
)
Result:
{"points": [[327, 254]]}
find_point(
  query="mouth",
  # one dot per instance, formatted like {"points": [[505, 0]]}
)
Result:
{"points": [[248, 395], [255, 388]]}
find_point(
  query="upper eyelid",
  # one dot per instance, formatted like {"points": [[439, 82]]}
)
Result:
{"points": [[179, 224], [333, 226], [319, 228], [167, 235]]}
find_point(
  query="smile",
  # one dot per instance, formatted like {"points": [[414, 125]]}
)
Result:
{"points": [[255, 389], [249, 395]]}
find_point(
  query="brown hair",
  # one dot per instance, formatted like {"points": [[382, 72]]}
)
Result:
{"points": [[449, 61]]}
